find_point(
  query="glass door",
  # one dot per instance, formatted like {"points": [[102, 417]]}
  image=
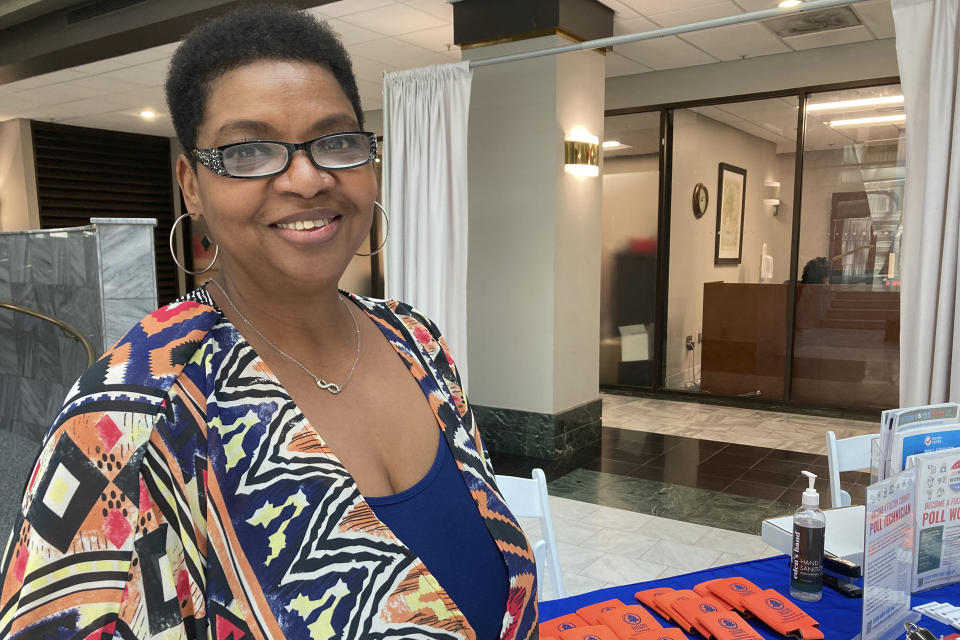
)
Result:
{"points": [[631, 198]]}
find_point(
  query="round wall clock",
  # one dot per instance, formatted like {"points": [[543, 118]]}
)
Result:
{"points": [[701, 198]]}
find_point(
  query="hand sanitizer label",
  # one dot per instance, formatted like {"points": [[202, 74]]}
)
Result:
{"points": [[806, 564]]}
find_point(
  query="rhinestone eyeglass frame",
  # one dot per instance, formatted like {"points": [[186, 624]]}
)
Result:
{"points": [[212, 158]]}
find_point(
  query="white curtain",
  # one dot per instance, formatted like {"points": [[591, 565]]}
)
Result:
{"points": [[928, 50], [425, 189]]}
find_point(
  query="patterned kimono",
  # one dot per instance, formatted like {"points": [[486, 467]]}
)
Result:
{"points": [[182, 494]]}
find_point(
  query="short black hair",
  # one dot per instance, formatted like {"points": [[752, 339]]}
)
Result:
{"points": [[816, 271], [240, 37]]}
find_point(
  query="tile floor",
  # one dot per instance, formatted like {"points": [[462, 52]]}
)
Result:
{"points": [[676, 487]]}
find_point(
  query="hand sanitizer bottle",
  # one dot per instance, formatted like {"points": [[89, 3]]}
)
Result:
{"points": [[806, 562]]}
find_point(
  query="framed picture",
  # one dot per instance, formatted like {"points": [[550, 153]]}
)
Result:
{"points": [[731, 198]]}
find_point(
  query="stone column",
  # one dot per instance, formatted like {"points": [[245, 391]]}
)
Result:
{"points": [[534, 246]]}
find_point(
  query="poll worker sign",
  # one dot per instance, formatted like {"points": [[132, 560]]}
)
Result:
{"points": [[936, 551], [887, 557]]}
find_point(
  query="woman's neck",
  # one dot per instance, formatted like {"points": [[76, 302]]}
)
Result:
{"points": [[293, 314]]}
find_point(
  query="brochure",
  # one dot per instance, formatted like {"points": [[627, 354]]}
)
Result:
{"points": [[887, 557], [936, 550], [917, 430]]}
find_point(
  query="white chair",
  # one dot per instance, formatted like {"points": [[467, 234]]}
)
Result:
{"points": [[848, 454], [527, 498]]}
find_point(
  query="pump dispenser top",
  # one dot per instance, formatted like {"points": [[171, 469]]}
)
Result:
{"points": [[810, 496]]}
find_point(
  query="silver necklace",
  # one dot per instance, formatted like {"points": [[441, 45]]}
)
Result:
{"points": [[332, 387]]}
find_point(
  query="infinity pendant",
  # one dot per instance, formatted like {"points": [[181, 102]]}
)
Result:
{"points": [[329, 386]]}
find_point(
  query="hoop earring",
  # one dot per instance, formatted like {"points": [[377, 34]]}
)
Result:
{"points": [[173, 253], [386, 233]]}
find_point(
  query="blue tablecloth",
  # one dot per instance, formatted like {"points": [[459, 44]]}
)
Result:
{"points": [[839, 617]]}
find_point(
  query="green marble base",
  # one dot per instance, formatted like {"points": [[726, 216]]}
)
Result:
{"points": [[539, 435]]}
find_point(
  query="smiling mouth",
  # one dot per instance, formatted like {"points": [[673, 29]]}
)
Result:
{"points": [[306, 225]]}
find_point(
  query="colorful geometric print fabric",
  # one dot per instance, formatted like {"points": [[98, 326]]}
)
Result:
{"points": [[181, 494]]}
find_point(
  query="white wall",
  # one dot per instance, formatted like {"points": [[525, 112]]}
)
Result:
{"points": [[578, 230], [510, 274], [700, 145], [827, 65], [19, 209]]}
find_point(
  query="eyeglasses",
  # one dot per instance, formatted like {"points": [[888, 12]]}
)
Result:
{"points": [[265, 158]]}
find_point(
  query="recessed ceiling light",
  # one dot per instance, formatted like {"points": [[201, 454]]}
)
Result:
{"points": [[786, 4], [148, 115], [868, 121]]}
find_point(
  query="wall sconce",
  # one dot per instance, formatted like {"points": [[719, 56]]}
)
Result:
{"points": [[581, 153], [771, 196]]}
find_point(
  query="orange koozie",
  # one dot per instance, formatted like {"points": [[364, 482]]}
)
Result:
{"points": [[667, 600], [727, 625], [782, 615], [732, 591], [648, 598], [704, 587], [630, 621], [592, 613], [554, 626], [670, 633], [692, 608], [592, 632]]}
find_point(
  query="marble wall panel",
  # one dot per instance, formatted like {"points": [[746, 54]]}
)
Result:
{"points": [[41, 258], [9, 361], [40, 400], [540, 435], [10, 397], [73, 359], [120, 315], [6, 315], [126, 255], [14, 248]]}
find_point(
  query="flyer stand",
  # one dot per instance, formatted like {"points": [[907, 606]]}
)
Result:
{"points": [[888, 558]]}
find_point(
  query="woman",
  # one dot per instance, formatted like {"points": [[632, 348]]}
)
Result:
{"points": [[268, 457]]}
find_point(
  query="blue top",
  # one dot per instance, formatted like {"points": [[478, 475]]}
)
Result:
{"points": [[438, 520]]}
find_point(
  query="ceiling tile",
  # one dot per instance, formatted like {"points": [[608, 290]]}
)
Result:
{"points": [[394, 20], [632, 25], [346, 7], [437, 39], [104, 85], [370, 69], [352, 34], [90, 106], [737, 41], [829, 38], [756, 5], [699, 14], [136, 75], [877, 16], [124, 121], [664, 53], [437, 8], [48, 78], [391, 51], [101, 66], [163, 52], [650, 7], [617, 65], [57, 93]]}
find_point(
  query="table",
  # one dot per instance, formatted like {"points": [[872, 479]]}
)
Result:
{"points": [[844, 535], [839, 617]]}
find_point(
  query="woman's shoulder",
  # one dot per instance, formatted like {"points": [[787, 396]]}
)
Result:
{"points": [[406, 313], [154, 351]]}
